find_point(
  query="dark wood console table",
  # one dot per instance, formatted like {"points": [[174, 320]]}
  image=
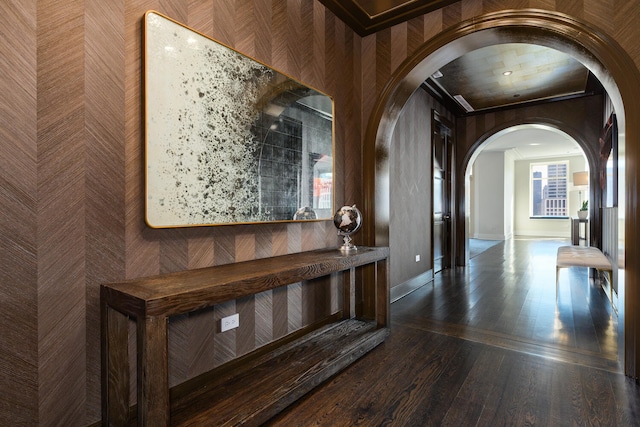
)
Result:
{"points": [[576, 234], [151, 301]]}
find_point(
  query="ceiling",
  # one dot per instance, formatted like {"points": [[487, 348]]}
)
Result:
{"points": [[508, 74], [368, 16], [488, 79], [475, 82], [533, 142]]}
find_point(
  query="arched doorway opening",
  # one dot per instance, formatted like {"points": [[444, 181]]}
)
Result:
{"points": [[601, 55], [497, 195]]}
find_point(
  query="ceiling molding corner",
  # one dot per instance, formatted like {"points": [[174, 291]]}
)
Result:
{"points": [[355, 16]]}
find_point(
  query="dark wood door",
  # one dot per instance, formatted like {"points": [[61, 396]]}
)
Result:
{"points": [[442, 163]]}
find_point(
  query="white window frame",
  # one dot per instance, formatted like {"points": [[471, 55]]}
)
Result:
{"points": [[562, 203]]}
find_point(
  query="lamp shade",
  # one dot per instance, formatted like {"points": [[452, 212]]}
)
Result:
{"points": [[580, 179]]}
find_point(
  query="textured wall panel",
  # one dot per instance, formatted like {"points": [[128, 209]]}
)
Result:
{"points": [[18, 203], [244, 27], [105, 136], [280, 312], [173, 252], [280, 34], [263, 318], [246, 333], [383, 59], [410, 160], [316, 18], [294, 307], [415, 34], [245, 244], [399, 46], [200, 252], [262, 30], [224, 22], [433, 24], [624, 20], [473, 8], [295, 37], [224, 343], [200, 16], [61, 212], [142, 246]]}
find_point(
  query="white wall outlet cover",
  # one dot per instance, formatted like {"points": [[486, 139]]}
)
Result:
{"points": [[229, 322]]}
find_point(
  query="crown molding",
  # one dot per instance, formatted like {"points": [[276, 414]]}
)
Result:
{"points": [[358, 19]]}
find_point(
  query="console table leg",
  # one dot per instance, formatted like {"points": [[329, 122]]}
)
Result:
{"points": [[153, 375], [383, 312], [115, 367], [349, 293]]}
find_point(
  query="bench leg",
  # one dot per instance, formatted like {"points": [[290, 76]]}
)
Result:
{"points": [[611, 290], [600, 277]]}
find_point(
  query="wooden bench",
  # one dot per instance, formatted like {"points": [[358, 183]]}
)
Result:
{"points": [[256, 387], [583, 256]]}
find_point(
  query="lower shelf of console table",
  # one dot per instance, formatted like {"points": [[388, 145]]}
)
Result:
{"points": [[258, 386], [259, 389]]}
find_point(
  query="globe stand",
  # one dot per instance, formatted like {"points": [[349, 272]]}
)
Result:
{"points": [[347, 246]]}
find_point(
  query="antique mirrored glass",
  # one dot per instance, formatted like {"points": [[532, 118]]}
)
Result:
{"points": [[229, 139]]}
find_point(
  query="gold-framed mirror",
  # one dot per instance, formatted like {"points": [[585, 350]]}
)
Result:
{"points": [[229, 140]]}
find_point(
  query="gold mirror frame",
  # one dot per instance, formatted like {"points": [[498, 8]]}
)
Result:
{"points": [[229, 140]]}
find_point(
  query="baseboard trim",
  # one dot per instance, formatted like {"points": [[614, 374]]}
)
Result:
{"points": [[490, 237], [543, 234], [404, 289]]}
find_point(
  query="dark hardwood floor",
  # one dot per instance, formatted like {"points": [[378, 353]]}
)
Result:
{"points": [[487, 345]]}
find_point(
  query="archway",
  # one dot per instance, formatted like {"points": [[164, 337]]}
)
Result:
{"points": [[555, 137], [599, 53]]}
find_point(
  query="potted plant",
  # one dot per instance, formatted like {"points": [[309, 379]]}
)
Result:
{"points": [[584, 210]]}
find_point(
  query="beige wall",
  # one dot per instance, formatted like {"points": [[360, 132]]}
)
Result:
{"points": [[71, 179], [489, 214]]}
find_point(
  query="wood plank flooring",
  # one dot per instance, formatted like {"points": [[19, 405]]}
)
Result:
{"points": [[486, 345]]}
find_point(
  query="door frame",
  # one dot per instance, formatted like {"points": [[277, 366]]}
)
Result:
{"points": [[448, 241]]}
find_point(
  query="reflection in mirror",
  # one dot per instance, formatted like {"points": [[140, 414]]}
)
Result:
{"points": [[228, 139]]}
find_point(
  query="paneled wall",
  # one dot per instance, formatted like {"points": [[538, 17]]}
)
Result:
{"points": [[411, 181], [71, 181], [72, 191], [302, 40], [19, 359]]}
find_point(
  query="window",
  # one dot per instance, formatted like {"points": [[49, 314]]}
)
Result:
{"points": [[549, 189]]}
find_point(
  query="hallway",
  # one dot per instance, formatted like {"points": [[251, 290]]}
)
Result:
{"points": [[487, 345]]}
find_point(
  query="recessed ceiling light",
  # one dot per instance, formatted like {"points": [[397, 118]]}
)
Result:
{"points": [[507, 73], [437, 74]]}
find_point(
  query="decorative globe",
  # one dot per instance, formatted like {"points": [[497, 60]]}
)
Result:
{"points": [[347, 220]]}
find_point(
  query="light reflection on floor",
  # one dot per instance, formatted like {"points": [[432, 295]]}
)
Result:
{"points": [[507, 296]]}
